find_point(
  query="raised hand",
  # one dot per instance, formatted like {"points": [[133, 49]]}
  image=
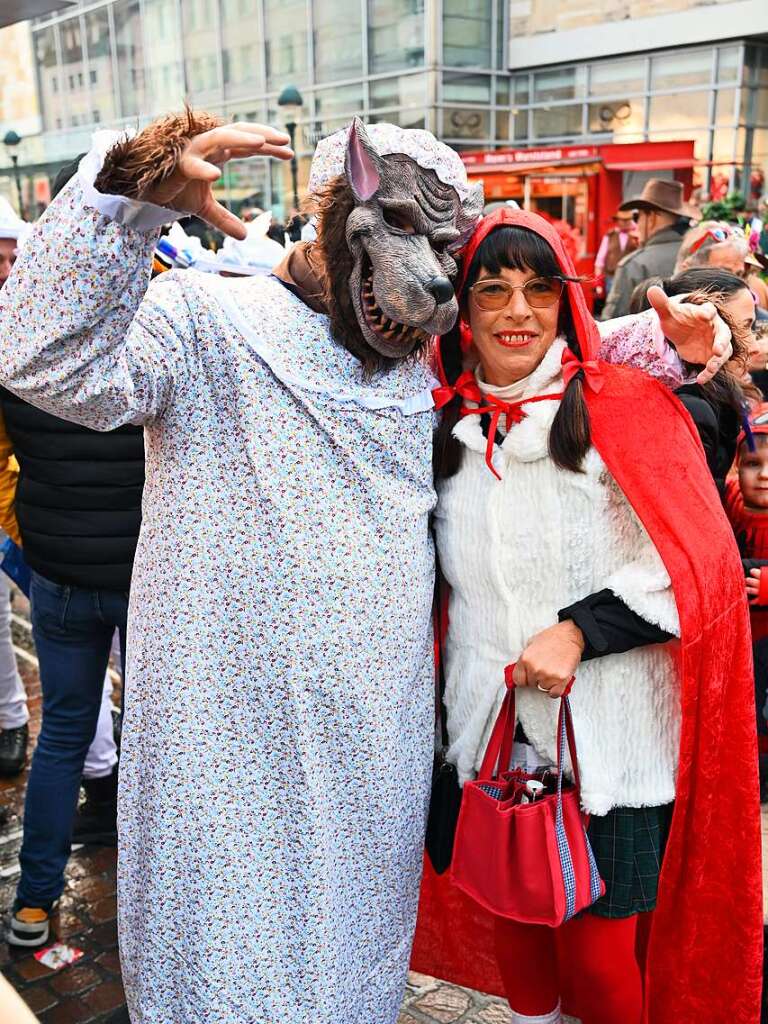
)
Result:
{"points": [[697, 331], [188, 187]]}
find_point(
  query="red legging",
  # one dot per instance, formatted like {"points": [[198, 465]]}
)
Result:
{"points": [[590, 963]]}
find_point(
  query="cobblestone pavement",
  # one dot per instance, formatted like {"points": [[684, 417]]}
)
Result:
{"points": [[91, 989]]}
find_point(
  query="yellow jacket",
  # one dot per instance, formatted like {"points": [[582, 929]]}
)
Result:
{"points": [[9, 476]]}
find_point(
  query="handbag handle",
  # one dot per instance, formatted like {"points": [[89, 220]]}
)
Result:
{"points": [[499, 749]]}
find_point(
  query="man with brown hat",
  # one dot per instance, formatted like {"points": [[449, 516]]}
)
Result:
{"points": [[659, 207]]}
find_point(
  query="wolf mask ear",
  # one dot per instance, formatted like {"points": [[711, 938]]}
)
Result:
{"points": [[362, 164]]}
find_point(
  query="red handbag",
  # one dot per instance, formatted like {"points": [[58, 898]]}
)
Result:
{"points": [[527, 861]]}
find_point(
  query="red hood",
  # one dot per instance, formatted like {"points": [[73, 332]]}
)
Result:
{"points": [[583, 322]]}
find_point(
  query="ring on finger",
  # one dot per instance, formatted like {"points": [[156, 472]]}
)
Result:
{"points": [[542, 688]]}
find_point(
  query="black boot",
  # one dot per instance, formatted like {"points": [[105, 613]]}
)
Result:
{"points": [[96, 818], [13, 750]]}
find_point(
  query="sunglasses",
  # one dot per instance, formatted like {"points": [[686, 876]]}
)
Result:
{"points": [[721, 234], [539, 292]]}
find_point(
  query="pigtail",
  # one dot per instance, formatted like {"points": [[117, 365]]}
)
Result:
{"points": [[570, 435], [446, 450]]}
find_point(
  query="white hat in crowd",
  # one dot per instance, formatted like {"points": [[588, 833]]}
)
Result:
{"points": [[11, 225], [256, 254]]}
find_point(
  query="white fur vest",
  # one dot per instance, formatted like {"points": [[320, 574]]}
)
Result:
{"points": [[515, 551]]}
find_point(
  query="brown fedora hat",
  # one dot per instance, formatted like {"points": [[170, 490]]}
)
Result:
{"points": [[659, 194]]}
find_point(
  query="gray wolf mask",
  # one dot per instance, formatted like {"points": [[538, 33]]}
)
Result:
{"points": [[412, 210]]}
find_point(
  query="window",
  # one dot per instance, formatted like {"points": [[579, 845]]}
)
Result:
{"points": [[560, 84], [338, 40], [461, 123], [96, 117], [406, 91], [681, 69], [395, 34], [728, 63], [467, 33], [99, 51], [286, 42], [49, 78], [458, 88], [690, 109], [242, 49], [618, 117], [617, 78], [520, 87], [342, 100], [130, 57], [725, 100], [551, 122]]}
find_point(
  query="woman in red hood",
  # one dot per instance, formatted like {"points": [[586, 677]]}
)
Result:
{"points": [[581, 533]]}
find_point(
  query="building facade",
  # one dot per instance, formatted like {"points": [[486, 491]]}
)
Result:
{"points": [[481, 74]]}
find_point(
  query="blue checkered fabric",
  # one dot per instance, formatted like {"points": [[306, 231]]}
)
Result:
{"points": [[563, 849]]}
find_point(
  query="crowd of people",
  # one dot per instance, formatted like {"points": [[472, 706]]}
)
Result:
{"points": [[228, 477]]}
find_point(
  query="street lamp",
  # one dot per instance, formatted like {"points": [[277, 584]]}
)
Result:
{"points": [[290, 98], [10, 141]]}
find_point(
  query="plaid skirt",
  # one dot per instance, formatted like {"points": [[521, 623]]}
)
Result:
{"points": [[628, 844]]}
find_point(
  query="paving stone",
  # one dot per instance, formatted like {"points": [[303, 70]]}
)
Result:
{"points": [[73, 980], [108, 996], [67, 923], [68, 1011], [110, 962], [39, 997], [90, 889], [104, 910], [445, 1004], [30, 969], [496, 1013], [104, 936], [105, 859]]}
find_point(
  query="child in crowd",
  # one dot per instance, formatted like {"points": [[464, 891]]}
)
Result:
{"points": [[746, 499]]}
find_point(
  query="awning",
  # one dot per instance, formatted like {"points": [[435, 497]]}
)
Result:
{"points": [[652, 165], [565, 168], [12, 11]]}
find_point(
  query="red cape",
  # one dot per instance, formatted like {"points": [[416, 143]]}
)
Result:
{"points": [[705, 950]]}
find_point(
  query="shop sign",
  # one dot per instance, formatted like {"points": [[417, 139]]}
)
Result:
{"points": [[520, 157]]}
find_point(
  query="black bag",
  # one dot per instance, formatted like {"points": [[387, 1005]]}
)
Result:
{"points": [[445, 800]]}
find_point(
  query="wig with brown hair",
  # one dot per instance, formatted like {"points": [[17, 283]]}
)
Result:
{"points": [[134, 167]]}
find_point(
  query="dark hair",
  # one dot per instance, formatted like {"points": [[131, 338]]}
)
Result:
{"points": [[708, 284], [517, 248]]}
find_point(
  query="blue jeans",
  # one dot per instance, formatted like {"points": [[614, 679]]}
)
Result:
{"points": [[73, 629]]}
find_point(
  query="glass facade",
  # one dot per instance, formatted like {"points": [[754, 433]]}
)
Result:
{"points": [[438, 64], [716, 96]]}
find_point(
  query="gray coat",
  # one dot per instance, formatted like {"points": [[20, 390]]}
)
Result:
{"points": [[655, 259]]}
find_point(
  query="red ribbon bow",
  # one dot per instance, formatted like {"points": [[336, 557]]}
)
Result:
{"points": [[593, 375], [467, 387]]}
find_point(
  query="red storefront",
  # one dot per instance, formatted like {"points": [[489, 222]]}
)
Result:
{"points": [[580, 185]]}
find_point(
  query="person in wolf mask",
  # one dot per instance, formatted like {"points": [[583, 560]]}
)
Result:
{"points": [[277, 748]]}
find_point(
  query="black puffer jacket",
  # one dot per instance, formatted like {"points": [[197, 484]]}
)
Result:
{"points": [[78, 499]]}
